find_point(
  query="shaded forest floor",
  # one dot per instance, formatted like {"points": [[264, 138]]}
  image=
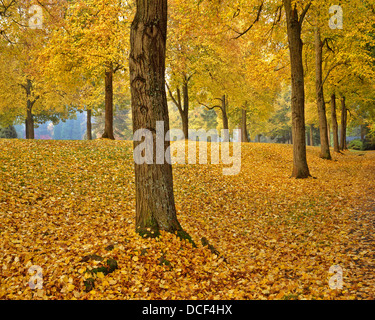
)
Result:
{"points": [[68, 207]]}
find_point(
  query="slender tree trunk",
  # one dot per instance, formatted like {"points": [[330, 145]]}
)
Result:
{"points": [[29, 122], [294, 25], [225, 118], [335, 128], [155, 205], [311, 135], [88, 125], [363, 128], [343, 124], [244, 137], [258, 137], [324, 144], [329, 133], [108, 126], [185, 110]]}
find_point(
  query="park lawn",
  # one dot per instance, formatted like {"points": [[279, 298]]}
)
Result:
{"points": [[66, 205]]}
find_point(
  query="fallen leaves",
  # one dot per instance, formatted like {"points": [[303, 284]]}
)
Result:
{"points": [[68, 207]]}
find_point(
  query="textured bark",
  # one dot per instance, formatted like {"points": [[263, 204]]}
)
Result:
{"points": [[343, 124], [300, 167], [88, 125], [244, 137], [335, 127], [323, 129], [155, 205], [108, 124]]}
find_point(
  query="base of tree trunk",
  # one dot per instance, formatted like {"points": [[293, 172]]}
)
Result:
{"points": [[300, 173], [108, 136], [325, 156], [154, 232]]}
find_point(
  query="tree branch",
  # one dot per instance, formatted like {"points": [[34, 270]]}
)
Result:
{"points": [[240, 34], [303, 14], [173, 98]]}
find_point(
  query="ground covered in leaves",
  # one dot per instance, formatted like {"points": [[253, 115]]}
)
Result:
{"points": [[68, 207]]}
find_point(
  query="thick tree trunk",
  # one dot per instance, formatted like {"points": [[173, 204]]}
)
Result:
{"points": [[343, 124], [88, 125], [335, 128], [300, 167], [244, 137], [108, 126], [155, 205], [324, 144], [225, 118]]}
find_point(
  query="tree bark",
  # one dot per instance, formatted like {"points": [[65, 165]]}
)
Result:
{"points": [[329, 134], [155, 205], [224, 107], [88, 125], [343, 124], [294, 26], [244, 137], [29, 122], [185, 110], [108, 126], [324, 144], [335, 128]]}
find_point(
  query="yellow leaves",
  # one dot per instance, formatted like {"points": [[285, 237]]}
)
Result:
{"points": [[278, 236]]}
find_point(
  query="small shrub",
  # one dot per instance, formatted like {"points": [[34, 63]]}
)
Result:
{"points": [[355, 145]]}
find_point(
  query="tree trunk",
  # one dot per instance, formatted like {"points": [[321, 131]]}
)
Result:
{"points": [[155, 205], [108, 126], [363, 133], [335, 128], [300, 167], [185, 110], [329, 134], [244, 137], [88, 125], [29, 122], [258, 137], [225, 118], [343, 124], [324, 144]]}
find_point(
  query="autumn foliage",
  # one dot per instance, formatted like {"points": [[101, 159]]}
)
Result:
{"points": [[68, 207]]}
